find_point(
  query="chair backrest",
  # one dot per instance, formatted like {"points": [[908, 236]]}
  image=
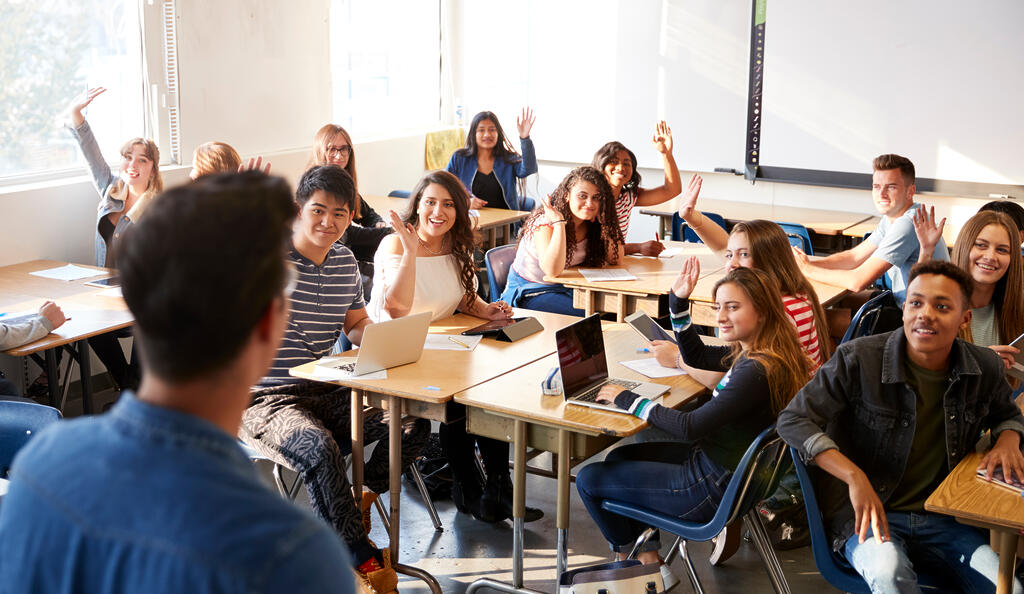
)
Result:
{"points": [[398, 194], [19, 422], [879, 314], [798, 236], [682, 232], [498, 261]]}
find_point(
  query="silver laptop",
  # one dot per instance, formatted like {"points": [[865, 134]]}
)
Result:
{"points": [[389, 344], [584, 367]]}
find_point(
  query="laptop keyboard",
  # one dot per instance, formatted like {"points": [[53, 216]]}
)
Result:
{"points": [[591, 394]]}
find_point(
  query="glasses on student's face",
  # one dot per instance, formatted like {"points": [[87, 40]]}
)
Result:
{"points": [[340, 150]]}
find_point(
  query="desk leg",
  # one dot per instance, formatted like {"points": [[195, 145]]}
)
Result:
{"points": [[53, 376], [395, 464], [357, 445], [85, 376], [562, 515], [1007, 561], [588, 307], [518, 501]]}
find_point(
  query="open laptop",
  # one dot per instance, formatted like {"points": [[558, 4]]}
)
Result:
{"points": [[389, 344], [584, 367]]}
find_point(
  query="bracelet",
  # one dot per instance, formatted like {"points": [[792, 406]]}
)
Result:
{"points": [[556, 222]]}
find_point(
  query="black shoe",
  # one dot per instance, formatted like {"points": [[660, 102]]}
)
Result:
{"points": [[502, 492], [475, 506]]}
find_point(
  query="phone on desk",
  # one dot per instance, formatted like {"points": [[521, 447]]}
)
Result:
{"points": [[647, 327], [105, 283], [492, 327]]}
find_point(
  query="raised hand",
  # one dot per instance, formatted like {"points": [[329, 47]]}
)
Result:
{"points": [[928, 233], [525, 122], [254, 164], [406, 234], [688, 203], [83, 101], [662, 138], [549, 211], [687, 278]]}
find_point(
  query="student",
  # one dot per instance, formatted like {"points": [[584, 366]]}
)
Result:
{"points": [[618, 164], [156, 495], [765, 367], [872, 417], [489, 165], [892, 247], [575, 225], [1008, 207], [23, 331], [427, 265], [306, 425], [220, 157], [124, 199]]}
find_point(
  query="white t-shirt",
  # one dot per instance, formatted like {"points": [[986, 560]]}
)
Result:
{"points": [[438, 285]]}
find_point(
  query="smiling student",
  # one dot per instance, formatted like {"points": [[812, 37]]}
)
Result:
{"points": [[489, 166], [575, 226]]}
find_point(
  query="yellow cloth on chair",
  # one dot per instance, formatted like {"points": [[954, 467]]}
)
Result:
{"points": [[439, 147]]}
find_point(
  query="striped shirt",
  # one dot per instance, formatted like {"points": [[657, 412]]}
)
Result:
{"points": [[322, 297], [624, 207], [799, 310]]}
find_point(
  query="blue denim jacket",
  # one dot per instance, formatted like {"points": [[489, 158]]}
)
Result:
{"points": [[147, 499], [464, 168], [860, 404]]}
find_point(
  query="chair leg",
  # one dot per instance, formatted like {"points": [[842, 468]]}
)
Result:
{"points": [[673, 551], [644, 537], [417, 476], [384, 518], [691, 571], [763, 544], [287, 491]]}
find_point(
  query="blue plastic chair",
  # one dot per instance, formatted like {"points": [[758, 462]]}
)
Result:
{"points": [[398, 194], [19, 422], [879, 314], [498, 261], [798, 236], [682, 232], [754, 479]]}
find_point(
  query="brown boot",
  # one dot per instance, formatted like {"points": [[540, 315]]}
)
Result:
{"points": [[381, 581], [365, 505]]}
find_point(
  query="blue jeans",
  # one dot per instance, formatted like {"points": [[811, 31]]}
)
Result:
{"points": [[553, 298], [673, 478], [931, 543]]}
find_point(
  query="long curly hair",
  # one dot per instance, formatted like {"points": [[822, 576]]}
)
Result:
{"points": [[463, 239], [607, 152], [603, 234], [776, 346], [772, 253], [1009, 293]]}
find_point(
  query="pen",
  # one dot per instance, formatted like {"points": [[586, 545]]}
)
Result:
{"points": [[459, 342], [643, 350]]}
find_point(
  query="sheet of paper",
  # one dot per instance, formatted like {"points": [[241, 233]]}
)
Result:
{"points": [[651, 369], [339, 368], [447, 342], [113, 292], [68, 273], [671, 252], [606, 274]]}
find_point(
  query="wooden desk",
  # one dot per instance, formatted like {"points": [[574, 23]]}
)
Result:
{"points": [[408, 390], [512, 408], [494, 223], [648, 293], [90, 313], [975, 502], [702, 310]]}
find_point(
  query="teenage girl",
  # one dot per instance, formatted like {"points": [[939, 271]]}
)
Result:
{"points": [[221, 157], [489, 165]]}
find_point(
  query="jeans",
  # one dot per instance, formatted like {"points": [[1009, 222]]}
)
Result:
{"points": [[930, 543], [553, 298], [673, 478], [127, 373]]}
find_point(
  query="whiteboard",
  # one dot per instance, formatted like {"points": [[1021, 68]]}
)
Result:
{"points": [[603, 70], [938, 81]]}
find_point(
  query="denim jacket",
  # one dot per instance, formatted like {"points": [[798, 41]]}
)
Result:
{"points": [[859, 403], [464, 167]]}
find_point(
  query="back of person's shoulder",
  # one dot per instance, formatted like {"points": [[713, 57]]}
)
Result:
{"points": [[63, 442]]}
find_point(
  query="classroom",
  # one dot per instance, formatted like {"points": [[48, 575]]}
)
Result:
{"points": [[800, 234]]}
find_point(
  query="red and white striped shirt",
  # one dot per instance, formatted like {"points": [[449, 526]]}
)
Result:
{"points": [[799, 310], [624, 207]]}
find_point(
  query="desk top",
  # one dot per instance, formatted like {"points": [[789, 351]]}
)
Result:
{"points": [[518, 393], [454, 371], [655, 276], [90, 313], [489, 217], [967, 497], [823, 222]]}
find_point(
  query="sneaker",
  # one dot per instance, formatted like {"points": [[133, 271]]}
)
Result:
{"points": [[791, 535], [365, 505], [379, 581], [775, 510], [726, 543], [668, 579]]}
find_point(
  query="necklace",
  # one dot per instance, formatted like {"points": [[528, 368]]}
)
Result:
{"points": [[430, 251]]}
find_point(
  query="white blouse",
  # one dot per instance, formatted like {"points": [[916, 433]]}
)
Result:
{"points": [[438, 285]]}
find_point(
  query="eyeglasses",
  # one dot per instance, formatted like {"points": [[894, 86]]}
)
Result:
{"points": [[341, 150]]}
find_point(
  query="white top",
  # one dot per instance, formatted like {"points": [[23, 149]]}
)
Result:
{"points": [[984, 330], [438, 285]]}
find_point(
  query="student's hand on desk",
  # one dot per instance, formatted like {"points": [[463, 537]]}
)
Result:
{"points": [[869, 514], [651, 247], [525, 122], [688, 202], [477, 203], [662, 138], [52, 312], [1005, 453], [687, 278], [406, 233], [928, 233], [1006, 353], [499, 310], [608, 393], [665, 352]]}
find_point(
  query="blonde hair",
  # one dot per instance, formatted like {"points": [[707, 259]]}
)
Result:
{"points": [[215, 157], [318, 157], [156, 181]]}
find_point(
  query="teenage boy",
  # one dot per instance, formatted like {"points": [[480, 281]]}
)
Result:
{"points": [[892, 247], [876, 417], [157, 495], [307, 425]]}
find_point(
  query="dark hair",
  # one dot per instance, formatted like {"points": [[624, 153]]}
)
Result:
{"points": [[607, 153], [603, 235], [1008, 207], [948, 270], [890, 161], [330, 179], [463, 241], [503, 149], [200, 269]]}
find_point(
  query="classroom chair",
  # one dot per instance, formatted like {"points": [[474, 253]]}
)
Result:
{"points": [[879, 314], [682, 232], [398, 194], [833, 567], [798, 236], [754, 479], [19, 422], [498, 261]]}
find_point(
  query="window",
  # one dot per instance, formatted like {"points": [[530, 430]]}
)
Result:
{"points": [[385, 64], [49, 52]]}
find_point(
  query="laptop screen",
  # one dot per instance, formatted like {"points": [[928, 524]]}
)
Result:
{"points": [[581, 355]]}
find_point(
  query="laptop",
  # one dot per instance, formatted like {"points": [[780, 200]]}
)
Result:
{"points": [[584, 367], [388, 344]]}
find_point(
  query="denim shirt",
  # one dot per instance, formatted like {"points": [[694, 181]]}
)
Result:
{"points": [[859, 403], [464, 167], [147, 499]]}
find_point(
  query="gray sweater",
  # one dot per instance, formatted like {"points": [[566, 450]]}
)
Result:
{"points": [[23, 330]]}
